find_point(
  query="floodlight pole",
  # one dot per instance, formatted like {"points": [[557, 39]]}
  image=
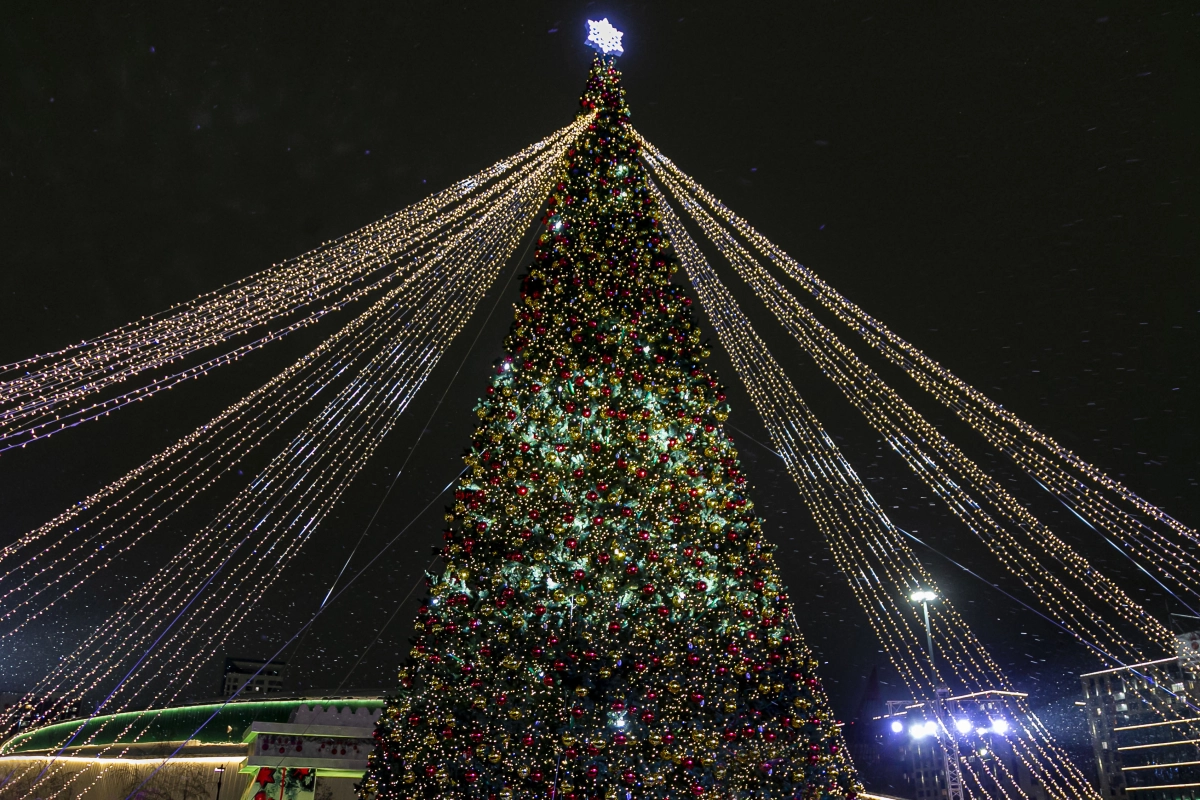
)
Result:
{"points": [[928, 632], [954, 785]]}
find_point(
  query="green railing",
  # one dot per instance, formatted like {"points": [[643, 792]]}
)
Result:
{"points": [[169, 724]]}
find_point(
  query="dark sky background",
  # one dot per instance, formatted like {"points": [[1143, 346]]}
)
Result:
{"points": [[1012, 187]]}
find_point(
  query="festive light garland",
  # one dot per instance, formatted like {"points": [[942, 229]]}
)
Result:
{"points": [[931, 457], [865, 544], [45, 394], [282, 399], [1168, 554], [379, 387]]}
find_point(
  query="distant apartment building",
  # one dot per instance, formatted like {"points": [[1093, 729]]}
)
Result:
{"points": [[1144, 721], [265, 677]]}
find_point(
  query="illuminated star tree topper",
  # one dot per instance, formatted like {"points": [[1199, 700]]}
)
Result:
{"points": [[604, 37]]}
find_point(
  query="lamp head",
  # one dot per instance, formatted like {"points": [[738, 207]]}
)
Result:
{"points": [[923, 596]]}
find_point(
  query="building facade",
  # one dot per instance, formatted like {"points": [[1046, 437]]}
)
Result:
{"points": [[1145, 729], [263, 677]]}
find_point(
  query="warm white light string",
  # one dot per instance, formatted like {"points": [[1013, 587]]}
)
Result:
{"points": [[315, 500], [20, 435], [930, 455], [910, 435], [37, 573], [430, 341], [881, 567], [1082, 486], [260, 586], [35, 402], [304, 274]]}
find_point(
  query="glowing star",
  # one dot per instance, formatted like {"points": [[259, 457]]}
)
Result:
{"points": [[604, 37]]}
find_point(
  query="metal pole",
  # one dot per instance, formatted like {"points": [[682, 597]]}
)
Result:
{"points": [[928, 632], [220, 777]]}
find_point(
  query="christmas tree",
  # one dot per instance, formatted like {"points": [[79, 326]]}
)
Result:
{"points": [[608, 622]]}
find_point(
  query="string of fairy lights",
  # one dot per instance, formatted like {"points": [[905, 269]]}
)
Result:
{"points": [[48, 394], [235, 618], [141, 501], [932, 458], [282, 506], [1167, 552], [881, 567], [950, 473]]}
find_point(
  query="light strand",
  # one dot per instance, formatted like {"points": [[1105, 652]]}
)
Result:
{"points": [[284, 396], [930, 455], [318, 494], [43, 395], [855, 525], [1083, 487]]}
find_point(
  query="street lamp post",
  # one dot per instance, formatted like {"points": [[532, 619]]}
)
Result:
{"points": [[954, 786], [925, 597], [220, 777]]}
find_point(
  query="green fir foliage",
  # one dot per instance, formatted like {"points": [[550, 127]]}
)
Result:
{"points": [[609, 622]]}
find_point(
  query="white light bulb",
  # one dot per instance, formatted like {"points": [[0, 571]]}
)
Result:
{"points": [[897, 726]]}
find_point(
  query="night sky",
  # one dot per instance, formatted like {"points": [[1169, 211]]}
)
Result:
{"points": [[1012, 188]]}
